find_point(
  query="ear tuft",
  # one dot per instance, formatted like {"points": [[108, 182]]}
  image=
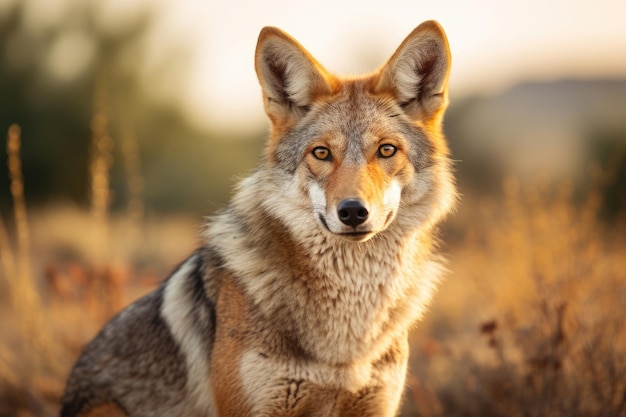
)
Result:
{"points": [[417, 73]]}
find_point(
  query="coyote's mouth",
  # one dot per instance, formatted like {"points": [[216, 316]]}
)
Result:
{"points": [[356, 235]]}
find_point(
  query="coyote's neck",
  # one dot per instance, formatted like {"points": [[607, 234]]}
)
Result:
{"points": [[368, 294], [344, 302]]}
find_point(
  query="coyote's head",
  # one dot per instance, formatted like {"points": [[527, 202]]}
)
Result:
{"points": [[367, 150]]}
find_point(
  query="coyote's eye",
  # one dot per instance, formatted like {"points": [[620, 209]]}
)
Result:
{"points": [[387, 151], [322, 153]]}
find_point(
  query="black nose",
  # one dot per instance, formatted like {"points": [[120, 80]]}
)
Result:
{"points": [[352, 212]]}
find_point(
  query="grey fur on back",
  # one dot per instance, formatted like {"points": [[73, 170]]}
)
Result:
{"points": [[134, 362]]}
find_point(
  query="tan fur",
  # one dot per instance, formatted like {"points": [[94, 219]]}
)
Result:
{"points": [[105, 410], [232, 330]]}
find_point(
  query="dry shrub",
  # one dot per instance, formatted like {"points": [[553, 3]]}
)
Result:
{"points": [[542, 286]]}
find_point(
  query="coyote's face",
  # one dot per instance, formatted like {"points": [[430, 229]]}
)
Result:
{"points": [[360, 149], [355, 161]]}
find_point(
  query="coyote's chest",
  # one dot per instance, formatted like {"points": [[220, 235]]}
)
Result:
{"points": [[256, 367]]}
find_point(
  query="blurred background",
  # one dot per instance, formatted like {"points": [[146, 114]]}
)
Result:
{"points": [[128, 121]]}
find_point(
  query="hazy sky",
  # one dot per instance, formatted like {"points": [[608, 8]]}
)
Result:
{"points": [[494, 43]]}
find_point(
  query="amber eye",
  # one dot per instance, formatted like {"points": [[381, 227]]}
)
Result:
{"points": [[322, 153], [387, 151]]}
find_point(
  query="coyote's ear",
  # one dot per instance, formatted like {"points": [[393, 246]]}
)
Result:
{"points": [[417, 73], [290, 77]]}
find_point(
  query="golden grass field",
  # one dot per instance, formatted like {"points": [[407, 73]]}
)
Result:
{"points": [[529, 322]]}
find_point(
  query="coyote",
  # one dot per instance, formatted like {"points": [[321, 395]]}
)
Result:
{"points": [[301, 297]]}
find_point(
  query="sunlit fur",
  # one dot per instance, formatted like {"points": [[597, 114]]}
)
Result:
{"points": [[288, 310]]}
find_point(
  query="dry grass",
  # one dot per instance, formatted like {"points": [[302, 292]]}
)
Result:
{"points": [[68, 270], [531, 321], [99, 169], [30, 339], [528, 324]]}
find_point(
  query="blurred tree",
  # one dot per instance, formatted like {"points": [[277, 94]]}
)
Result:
{"points": [[606, 150], [479, 169], [53, 54], [564, 130], [48, 67]]}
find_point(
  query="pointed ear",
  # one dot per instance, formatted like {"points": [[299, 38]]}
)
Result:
{"points": [[417, 73], [290, 77]]}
